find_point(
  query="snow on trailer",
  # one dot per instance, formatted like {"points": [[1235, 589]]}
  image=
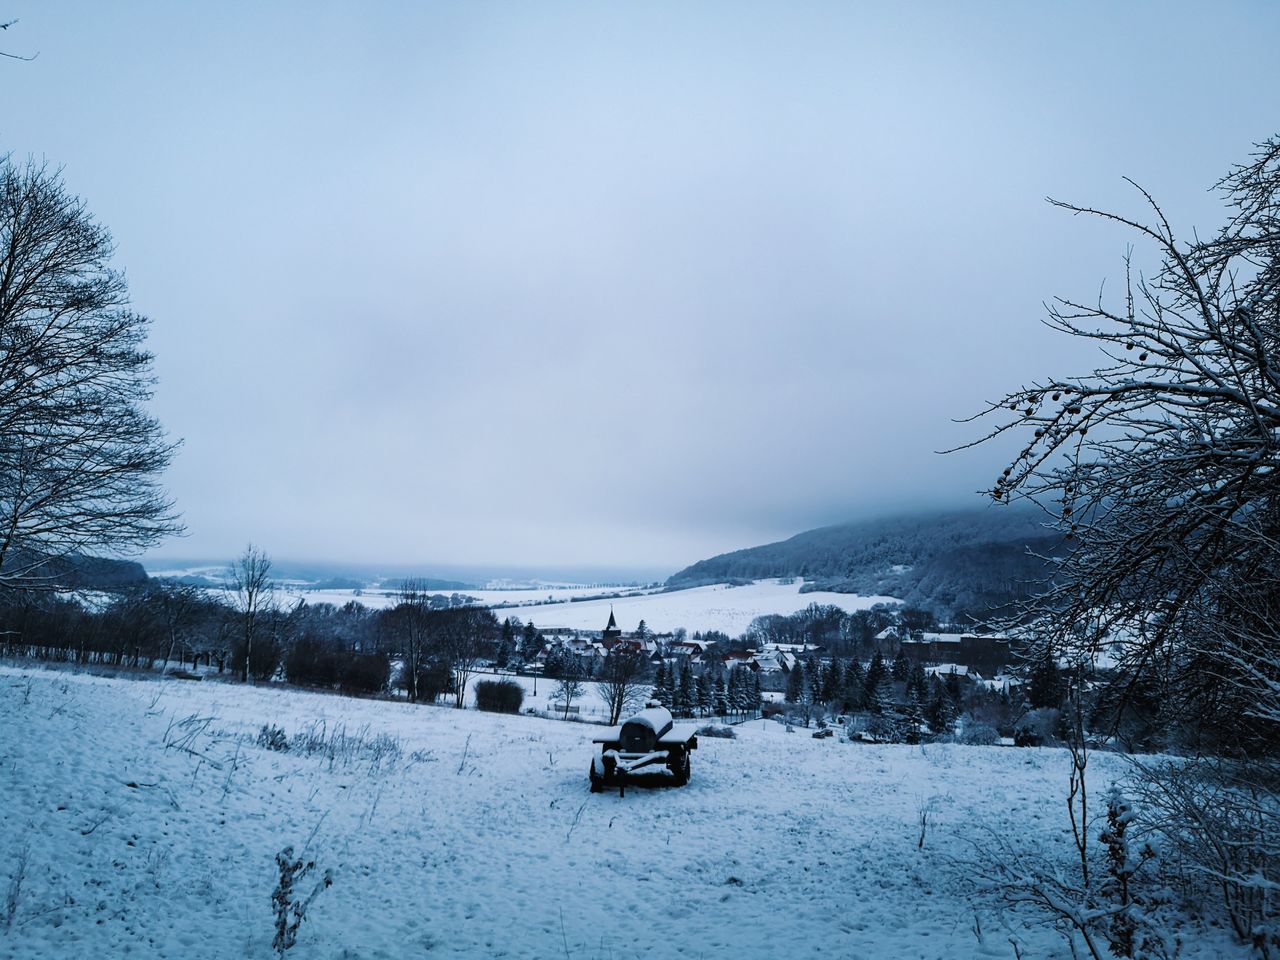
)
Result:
{"points": [[648, 739]]}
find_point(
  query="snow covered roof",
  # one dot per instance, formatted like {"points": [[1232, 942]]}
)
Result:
{"points": [[698, 645], [1001, 683], [657, 719], [959, 670], [767, 661]]}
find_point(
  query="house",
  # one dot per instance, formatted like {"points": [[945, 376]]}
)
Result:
{"points": [[986, 653], [691, 650], [737, 658]]}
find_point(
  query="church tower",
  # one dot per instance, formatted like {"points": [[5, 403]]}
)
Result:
{"points": [[611, 632]]}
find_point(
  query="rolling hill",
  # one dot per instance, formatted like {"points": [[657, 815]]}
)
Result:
{"points": [[963, 565]]}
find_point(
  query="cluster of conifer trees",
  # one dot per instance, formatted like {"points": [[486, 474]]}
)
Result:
{"points": [[732, 693]]}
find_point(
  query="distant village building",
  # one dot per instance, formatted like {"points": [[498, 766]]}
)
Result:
{"points": [[986, 654], [612, 633]]}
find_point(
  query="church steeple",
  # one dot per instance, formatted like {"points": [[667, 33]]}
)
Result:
{"points": [[611, 631]]}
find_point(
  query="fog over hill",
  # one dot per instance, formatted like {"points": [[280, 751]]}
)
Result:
{"points": [[961, 564]]}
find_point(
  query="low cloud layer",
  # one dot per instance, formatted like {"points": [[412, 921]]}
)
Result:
{"points": [[610, 285]]}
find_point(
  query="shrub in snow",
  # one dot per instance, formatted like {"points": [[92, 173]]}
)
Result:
{"points": [[1219, 826], [499, 696], [980, 734], [290, 909], [313, 663], [1038, 728], [434, 678], [717, 731], [273, 738], [1120, 870], [345, 749], [263, 659]]}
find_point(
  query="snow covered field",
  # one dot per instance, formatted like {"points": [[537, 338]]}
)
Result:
{"points": [[151, 819], [376, 599], [717, 607], [540, 695]]}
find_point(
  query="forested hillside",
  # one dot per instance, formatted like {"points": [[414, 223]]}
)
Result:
{"points": [[961, 565], [78, 571]]}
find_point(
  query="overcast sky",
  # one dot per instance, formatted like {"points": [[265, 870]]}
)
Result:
{"points": [[621, 285]]}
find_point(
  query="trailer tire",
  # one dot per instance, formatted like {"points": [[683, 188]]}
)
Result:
{"points": [[681, 768]]}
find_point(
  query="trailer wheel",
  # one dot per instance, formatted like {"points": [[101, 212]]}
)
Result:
{"points": [[597, 781], [680, 768]]}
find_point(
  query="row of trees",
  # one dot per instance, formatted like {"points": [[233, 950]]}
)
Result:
{"points": [[839, 632], [247, 630], [717, 693]]}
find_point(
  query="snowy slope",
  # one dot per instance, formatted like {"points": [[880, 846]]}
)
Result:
{"points": [[717, 607], [481, 839]]}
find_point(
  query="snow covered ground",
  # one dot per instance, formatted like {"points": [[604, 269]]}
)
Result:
{"points": [[717, 607], [150, 820], [376, 598], [540, 695]]}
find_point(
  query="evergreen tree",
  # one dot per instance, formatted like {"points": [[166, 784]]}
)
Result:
{"points": [[918, 681], [901, 667], [558, 661], [502, 656], [661, 691], [953, 688], [1045, 685], [757, 695], [814, 674], [720, 696], [875, 699], [529, 646], [855, 686], [506, 643], [939, 714], [667, 697], [705, 701], [912, 718], [795, 684], [832, 683], [874, 683], [688, 695]]}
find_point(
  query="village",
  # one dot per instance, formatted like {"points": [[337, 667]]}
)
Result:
{"points": [[901, 684]]}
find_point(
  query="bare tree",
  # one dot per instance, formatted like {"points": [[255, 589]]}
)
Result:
{"points": [[178, 605], [621, 683], [462, 636], [252, 592], [14, 56], [1160, 469], [80, 459], [569, 687], [1160, 466], [409, 623]]}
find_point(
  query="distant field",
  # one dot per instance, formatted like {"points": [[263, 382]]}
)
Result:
{"points": [[377, 599], [718, 607]]}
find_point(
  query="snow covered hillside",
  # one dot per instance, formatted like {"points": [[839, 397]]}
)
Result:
{"points": [[717, 607], [141, 818]]}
